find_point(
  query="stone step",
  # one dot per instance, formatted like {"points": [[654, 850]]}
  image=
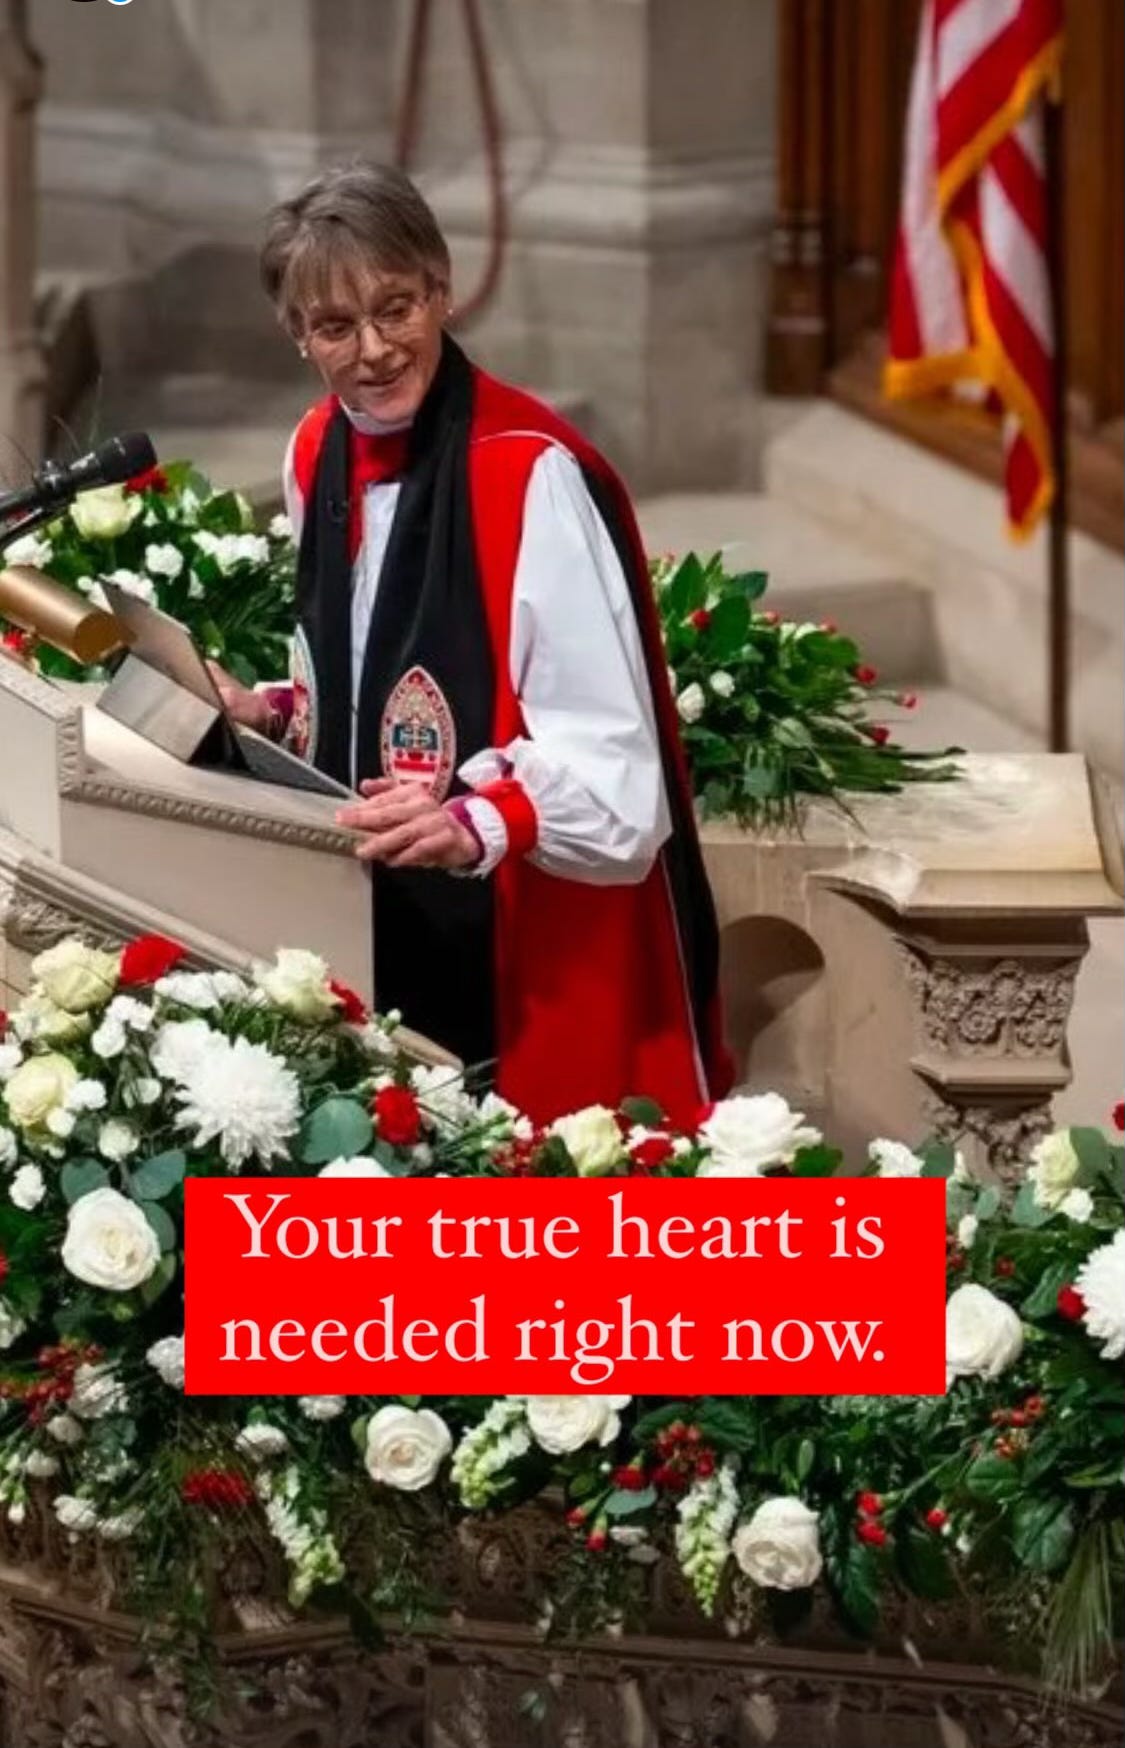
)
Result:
{"points": [[815, 572]]}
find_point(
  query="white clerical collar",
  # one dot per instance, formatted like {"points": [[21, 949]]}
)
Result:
{"points": [[369, 426]]}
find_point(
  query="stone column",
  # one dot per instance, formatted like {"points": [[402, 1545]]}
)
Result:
{"points": [[22, 376]]}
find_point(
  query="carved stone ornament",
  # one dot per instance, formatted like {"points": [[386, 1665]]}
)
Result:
{"points": [[1007, 1007], [76, 1672]]}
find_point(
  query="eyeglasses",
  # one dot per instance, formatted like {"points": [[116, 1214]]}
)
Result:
{"points": [[339, 338]]}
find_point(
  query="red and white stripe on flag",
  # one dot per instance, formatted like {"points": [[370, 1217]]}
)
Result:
{"points": [[970, 308]]}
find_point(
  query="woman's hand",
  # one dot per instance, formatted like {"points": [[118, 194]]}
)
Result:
{"points": [[406, 828], [251, 709]]}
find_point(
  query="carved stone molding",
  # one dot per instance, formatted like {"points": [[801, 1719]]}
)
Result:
{"points": [[1004, 1138], [1007, 1007], [77, 784]]}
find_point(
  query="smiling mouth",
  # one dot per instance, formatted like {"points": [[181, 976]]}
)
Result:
{"points": [[383, 382]]}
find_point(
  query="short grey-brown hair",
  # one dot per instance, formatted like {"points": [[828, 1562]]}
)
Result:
{"points": [[349, 219]]}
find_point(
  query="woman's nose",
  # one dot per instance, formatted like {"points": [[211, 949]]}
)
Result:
{"points": [[372, 345]]}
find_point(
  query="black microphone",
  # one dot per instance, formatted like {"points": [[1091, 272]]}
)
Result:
{"points": [[117, 459]]}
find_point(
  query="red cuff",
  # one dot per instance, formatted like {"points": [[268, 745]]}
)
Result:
{"points": [[512, 803]]}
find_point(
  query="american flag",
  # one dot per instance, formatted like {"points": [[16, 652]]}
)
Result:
{"points": [[970, 288]]}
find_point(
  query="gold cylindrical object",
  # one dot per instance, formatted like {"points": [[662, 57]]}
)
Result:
{"points": [[58, 615]]}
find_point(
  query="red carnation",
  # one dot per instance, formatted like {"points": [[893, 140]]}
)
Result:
{"points": [[872, 1533], [770, 616], [17, 641], [577, 1516], [879, 733], [351, 1007], [397, 1116], [1119, 1114], [629, 1479], [869, 1504], [149, 958], [701, 618], [654, 1150], [596, 1540], [217, 1489], [908, 700], [1070, 1304], [936, 1518], [3, 1024], [866, 676], [153, 479]]}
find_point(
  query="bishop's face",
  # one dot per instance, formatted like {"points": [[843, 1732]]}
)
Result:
{"points": [[377, 341]]}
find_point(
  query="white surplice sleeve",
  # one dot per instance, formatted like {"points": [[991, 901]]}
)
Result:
{"points": [[590, 763]]}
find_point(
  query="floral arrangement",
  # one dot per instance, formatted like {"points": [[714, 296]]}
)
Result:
{"points": [[773, 711], [122, 1073], [171, 538]]}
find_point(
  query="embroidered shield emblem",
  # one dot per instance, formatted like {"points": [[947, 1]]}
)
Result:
{"points": [[418, 738], [301, 736]]}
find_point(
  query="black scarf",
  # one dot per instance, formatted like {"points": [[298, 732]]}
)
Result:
{"points": [[433, 933]]}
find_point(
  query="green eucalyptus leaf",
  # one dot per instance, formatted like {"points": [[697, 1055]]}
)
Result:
{"points": [[81, 1176], [162, 1224], [158, 1177], [340, 1128]]}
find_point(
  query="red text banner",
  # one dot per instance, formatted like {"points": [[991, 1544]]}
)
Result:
{"points": [[553, 1286]]}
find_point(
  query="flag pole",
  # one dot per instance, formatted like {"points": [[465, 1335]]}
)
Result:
{"points": [[1058, 563]]}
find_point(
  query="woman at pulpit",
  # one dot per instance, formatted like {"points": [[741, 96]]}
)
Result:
{"points": [[477, 654]]}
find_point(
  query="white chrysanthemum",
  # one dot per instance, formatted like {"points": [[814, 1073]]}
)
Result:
{"points": [[1101, 1282], [42, 1465], [74, 1513], [12, 1325], [27, 1188], [181, 1047], [164, 561], [98, 1391], [121, 1526], [280, 528], [894, 1159], [722, 684], [134, 583], [242, 1096], [136, 1015], [166, 1357], [322, 1407], [442, 1096], [65, 1429], [229, 550]]}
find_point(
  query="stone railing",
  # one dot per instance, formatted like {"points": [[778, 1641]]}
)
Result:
{"points": [[76, 1670]]}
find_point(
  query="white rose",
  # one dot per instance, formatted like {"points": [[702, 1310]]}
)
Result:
{"points": [[117, 1140], [322, 1407], [12, 1325], [983, 1335], [76, 977], [105, 513], [41, 1465], [1078, 1205], [98, 1391], [744, 1135], [722, 684], [560, 1424], [260, 1442], [593, 1140], [166, 1357], [1053, 1169], [691, 702], [164, 561], [780, 1546], [406, 1447], [39, 1086], [967, 1231], [38, 1019], [894, 1159], [27, 1188], [298, 982], [358, 1167], [109, 1243], [74, 1513], [65, 1429]]}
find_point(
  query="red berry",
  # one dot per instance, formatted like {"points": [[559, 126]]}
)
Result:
{"points": [[1118, 1109], [956, 1259], [1070, 1304], [879, 733], [1018, 1417], [705, 1464], [1005, 1448], [869, 1504], [936, 1518], [666, 1476], [1004, 1267], [872, 1533], [907, 700], [701, 619], [576, 1515], [866, 676], [1035, 1407]]}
